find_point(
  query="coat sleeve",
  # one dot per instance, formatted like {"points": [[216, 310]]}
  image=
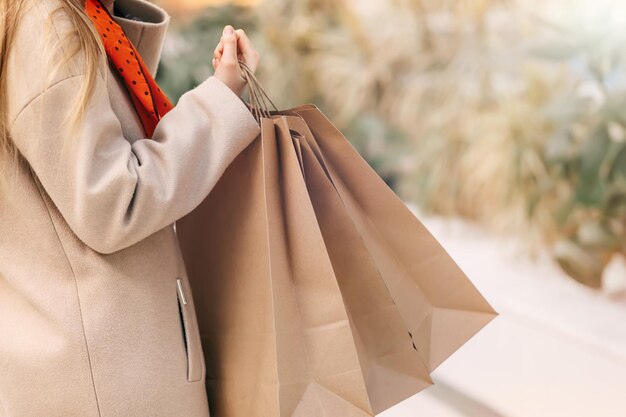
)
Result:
{"points": [[113, 193]]}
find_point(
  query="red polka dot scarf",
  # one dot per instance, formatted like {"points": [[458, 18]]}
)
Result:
{"points": [[149, 101]]}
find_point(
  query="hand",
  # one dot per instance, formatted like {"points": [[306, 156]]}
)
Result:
{"points": [[234, 45]]}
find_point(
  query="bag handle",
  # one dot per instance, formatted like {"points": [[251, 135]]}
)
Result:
{"points": [[258, 96]]}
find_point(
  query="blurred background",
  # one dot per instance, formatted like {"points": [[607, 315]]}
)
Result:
{"points": [[502, 124]]}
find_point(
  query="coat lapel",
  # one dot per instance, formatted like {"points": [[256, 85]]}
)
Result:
{"points": [[145, 24]]}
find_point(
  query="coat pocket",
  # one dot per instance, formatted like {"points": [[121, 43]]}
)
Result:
{"points": [[189, 332]]}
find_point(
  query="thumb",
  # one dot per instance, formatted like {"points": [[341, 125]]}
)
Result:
{"points": [[230, 45]]}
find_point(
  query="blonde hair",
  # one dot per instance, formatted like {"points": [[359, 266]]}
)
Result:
{"points": [[82, 38]]}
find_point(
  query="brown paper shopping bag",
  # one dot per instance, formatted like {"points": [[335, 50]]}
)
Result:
{"points": [[310, 301], [392, 367], [441, 307], [282, 334]]}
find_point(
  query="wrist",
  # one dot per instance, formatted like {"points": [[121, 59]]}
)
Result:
{"points": [[236, 87]]}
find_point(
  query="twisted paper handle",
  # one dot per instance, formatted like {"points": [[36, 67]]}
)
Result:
{"points": [[258, 104]]}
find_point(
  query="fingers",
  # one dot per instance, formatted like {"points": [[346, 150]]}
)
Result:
{"points": [[219, 49], [229, 54], [218, 52], [243, 49], [247, 50]]}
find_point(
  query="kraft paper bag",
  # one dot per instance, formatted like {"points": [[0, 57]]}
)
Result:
{"points": [[287, 331], [317, 291], [441, 307], [389, 360]]}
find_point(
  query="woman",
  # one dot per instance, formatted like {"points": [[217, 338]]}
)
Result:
{"points": [[96, 314]]}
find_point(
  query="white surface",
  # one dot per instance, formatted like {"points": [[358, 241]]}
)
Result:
{"points": [[557, 349]]}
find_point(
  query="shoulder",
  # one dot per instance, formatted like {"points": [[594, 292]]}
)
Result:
{"points": [[51, 27], [45, 51]]}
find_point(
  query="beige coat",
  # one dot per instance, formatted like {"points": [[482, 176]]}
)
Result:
{"points": [[89, 260]]}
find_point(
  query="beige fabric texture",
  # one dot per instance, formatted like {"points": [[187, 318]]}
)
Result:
{"points": [[91, 273]]}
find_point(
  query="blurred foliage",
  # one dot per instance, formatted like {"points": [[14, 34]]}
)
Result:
{"points": [[507, 112]]}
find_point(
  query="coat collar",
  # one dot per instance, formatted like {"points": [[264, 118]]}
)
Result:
{"points": [[145, 24]]}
